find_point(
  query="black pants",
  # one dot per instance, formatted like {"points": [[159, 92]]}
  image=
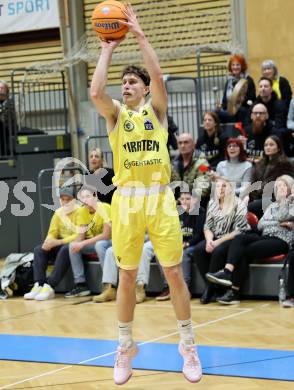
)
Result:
{"points": [[210, 262], [290, 282], [249, 246], [59, 256]]}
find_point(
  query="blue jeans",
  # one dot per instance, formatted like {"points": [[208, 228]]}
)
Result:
{"points": [[77, 262], [186, 266], [110, 269]]}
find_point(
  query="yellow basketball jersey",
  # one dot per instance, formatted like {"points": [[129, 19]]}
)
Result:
{"points": [[139, 148]]}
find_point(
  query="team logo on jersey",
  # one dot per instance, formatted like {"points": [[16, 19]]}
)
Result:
{"points": [[128, 125], [145, 112], [148, 124], [130, 113]]}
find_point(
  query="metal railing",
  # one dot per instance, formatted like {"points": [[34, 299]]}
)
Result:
{"points": [[41, 105], [211, 79]]}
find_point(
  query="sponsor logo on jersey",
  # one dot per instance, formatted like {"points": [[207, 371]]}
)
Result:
{"points": [[148, 124], [142, 163], [128, 125], [145, 145]]}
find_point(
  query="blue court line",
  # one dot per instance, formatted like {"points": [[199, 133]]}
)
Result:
{"points": [[227, 361]]}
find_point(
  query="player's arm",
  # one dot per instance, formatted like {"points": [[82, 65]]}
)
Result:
{"points": [[104, 104], [158, 91]]}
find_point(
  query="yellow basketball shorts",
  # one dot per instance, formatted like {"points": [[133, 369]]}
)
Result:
{"points": [[135, 215]]}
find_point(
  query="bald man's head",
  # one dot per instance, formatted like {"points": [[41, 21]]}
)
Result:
{"points": [[186, 144]]}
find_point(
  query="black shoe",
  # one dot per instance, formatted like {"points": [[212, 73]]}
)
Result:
{"points": [[208, 295], [221, 277], [78, 291], [231, 297], [3, 294]]}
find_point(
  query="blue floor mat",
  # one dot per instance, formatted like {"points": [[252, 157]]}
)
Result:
{"points": [[228, 361]]}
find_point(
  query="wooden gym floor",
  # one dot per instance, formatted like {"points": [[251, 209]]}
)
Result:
{"points": [[252, 324]]}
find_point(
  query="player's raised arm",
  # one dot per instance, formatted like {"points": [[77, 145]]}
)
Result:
{"points": [[104, 104], [158, 91]]}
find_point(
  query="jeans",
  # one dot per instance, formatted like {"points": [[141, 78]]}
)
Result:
{"points": [[188, 254], [110, 268], [77, 262]]}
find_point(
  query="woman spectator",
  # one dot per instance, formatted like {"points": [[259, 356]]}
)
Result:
{"points": [[274, 237], [273, 164], [210, 142], [225, 218], [237, 67], [236, 167], [98, 167], [281, 85]]}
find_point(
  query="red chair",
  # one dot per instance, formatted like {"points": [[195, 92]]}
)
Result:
{"points": [[252, 219], [90, 257]]}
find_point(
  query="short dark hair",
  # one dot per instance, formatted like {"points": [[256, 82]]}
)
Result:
{"points": [[267, 79], [138, 71]]}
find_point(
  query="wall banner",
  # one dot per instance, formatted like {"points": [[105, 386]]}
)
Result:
{"points": [[27, 15]]}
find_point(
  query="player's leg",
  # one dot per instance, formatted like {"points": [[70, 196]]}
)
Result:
{"points": [[165, 234], [128, 231]]}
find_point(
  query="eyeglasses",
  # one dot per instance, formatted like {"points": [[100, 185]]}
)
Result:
{"points": [[233, 146], [258, 113]]}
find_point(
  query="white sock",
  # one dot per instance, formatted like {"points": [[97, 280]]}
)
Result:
{"points": [[186, 332], [125, 337]]}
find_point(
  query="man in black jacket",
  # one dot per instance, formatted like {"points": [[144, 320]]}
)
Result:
{"points": [[277, 109], [7, 120], [257, 132]]}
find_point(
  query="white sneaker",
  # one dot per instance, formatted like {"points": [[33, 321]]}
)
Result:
{"points": [[47, 292], [288, 302], [34, 292]]}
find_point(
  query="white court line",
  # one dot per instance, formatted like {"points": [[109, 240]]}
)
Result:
{"points": [[243, 311], [199, 306]]}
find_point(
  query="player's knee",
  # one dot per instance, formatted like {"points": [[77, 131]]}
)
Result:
{"points": [[174, 274], [127, 278]]}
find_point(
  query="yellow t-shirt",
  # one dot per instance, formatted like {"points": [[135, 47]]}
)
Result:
{"points": [[64, 225], [276, 88], [96, 220], [140, 154]]}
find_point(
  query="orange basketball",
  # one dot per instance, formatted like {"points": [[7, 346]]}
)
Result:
{"points": [[106, 19]]}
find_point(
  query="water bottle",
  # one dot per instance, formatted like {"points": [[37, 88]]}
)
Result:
{"points": [[282, 290]]}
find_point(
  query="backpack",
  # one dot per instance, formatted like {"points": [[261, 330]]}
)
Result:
{"points": [[17, 276]]}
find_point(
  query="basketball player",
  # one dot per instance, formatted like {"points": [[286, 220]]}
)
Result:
{"points": [[143, 200]]}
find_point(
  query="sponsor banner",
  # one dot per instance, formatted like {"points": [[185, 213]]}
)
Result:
{"points": [[28, 15]]}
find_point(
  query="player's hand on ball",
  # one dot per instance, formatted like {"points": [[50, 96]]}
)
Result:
{"points": [[132, 22], [110, 44]]}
